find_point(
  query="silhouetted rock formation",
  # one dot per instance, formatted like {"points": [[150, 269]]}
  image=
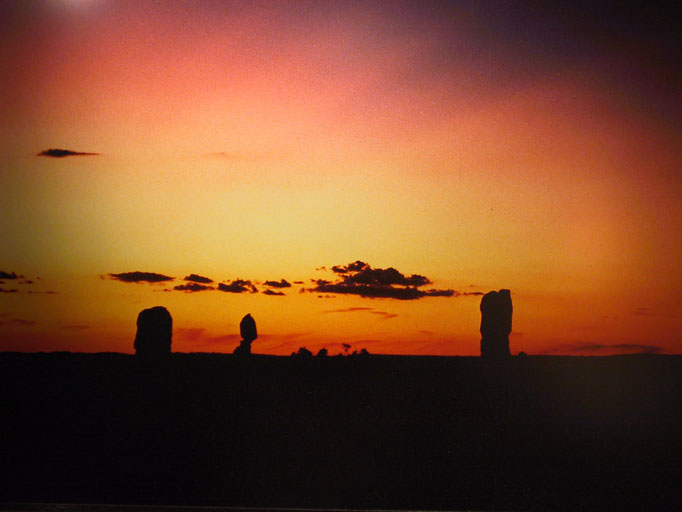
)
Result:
{"points": [[496, 322], [154, 333], [303, 353], [248, 332]]}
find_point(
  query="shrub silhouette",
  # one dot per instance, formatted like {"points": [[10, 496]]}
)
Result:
{"points": [[303, 353]]}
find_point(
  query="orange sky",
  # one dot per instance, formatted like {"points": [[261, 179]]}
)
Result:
{"points": [[483, 146]]}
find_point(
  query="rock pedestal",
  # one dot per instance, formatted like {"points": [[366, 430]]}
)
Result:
{"points": [[248, 332], [154, 333], [496, 324]]}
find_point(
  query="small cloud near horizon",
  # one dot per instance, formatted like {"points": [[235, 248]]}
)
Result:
{"points": [[18, 279], [198, 279], [10, 275], [140, 277], [282, 283], [61, 153], [192, 287], [273, 292]]}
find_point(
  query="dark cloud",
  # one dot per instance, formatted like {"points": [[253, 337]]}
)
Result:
{"points": [[361, 273], [374, 291], [298, 282], [273, 292], [8, 290], [47, 292], [26, 281], [140, 277], [192, 287], [464, 294], [282, 283], [198, 279], [9, 275], [238, 286], [61, 153], [359, 278]]}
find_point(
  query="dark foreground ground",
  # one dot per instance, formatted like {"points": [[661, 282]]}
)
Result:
{"points": [[355, 432]]}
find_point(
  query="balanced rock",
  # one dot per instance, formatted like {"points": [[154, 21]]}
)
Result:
{"points": [[154, 333], [247, 329], [496, 324]]}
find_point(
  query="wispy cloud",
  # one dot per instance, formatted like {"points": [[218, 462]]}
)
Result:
{"points": [[200, 337], [76, 327], [385, 315], [61, 153], [21, 322], [247, 156], [347, 310]]}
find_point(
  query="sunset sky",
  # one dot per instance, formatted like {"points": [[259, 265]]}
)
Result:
{"points": [[470, 146]]}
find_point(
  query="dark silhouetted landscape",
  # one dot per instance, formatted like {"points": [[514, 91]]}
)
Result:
{"points": [[385, 432]]}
